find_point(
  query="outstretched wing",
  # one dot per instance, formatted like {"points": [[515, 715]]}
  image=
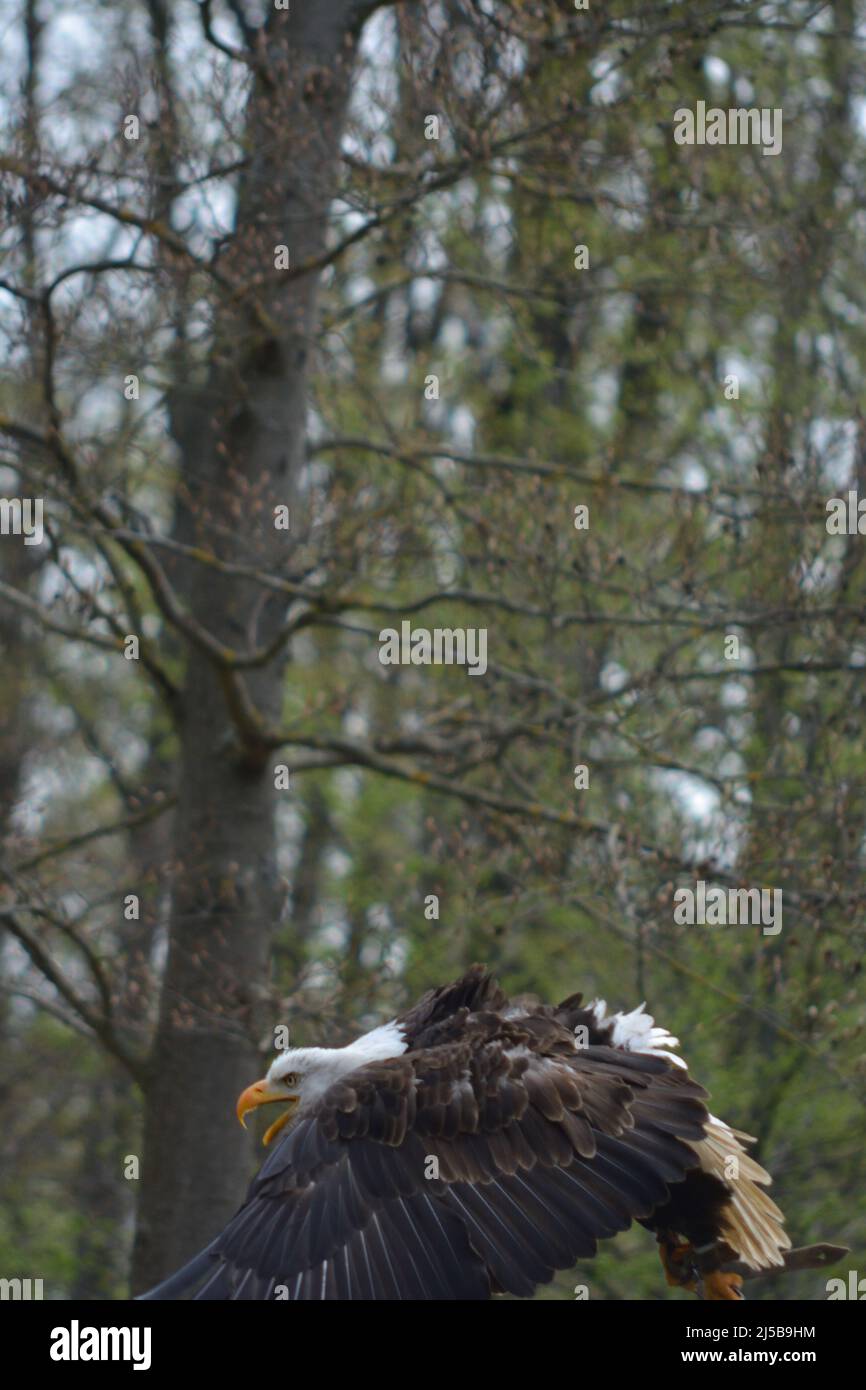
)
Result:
{"points": [[455, 1172]]}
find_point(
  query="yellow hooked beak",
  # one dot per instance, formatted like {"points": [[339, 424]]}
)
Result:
{"points": [[263, 1093]]}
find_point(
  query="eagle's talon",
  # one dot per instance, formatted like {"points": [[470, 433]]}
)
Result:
{"points": [[719, 1286]]}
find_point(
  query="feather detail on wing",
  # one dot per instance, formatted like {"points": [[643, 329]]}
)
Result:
{"points": [[752, 1224]]}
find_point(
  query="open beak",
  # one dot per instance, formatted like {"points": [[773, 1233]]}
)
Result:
{"points": [[262, 1093]]}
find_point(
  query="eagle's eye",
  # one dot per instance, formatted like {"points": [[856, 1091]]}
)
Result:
{"points": [[290, 1080]]}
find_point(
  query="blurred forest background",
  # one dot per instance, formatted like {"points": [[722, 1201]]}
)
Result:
{"points": [[432, 386]]}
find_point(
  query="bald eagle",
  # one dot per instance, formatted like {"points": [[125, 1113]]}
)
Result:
{"points": [[476, 1145]]}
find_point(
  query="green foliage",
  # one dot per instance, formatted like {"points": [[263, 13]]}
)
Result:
{"points": [[606, 646]]}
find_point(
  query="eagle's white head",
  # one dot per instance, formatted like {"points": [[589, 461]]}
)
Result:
{"points": [[301, 1075]]}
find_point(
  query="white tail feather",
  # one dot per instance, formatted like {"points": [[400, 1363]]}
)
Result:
{"points": [[752, 1224], [636, 1032]]}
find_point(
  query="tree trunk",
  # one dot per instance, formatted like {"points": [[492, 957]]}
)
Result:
{"points": [[242, 444]]}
